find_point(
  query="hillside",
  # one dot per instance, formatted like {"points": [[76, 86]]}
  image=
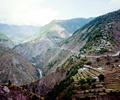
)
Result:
{"points": [[59, 29], [81, 73], [79, 78], [44, 48], [14, 68], [85, 66], [99, 36]]}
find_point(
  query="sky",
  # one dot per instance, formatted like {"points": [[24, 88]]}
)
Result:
{"points": [[41, 12]]}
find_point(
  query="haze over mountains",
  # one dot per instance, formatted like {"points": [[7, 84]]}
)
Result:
{"points": [[23, 33], [49, 37], [66, 59], [19, 33], [5, 40]]}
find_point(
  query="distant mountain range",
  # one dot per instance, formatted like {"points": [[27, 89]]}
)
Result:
{"points": [[44, 47], [17, 58], [19, 33], [23, 33], [63, 28], [71, 57]]}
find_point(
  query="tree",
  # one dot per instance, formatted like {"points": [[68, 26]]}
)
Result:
{"points": [[101, 78], [90, 80], [82, 81], [9, 83], [119, 55]]}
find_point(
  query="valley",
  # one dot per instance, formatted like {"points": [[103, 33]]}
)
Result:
{"points": [[74, 59]]}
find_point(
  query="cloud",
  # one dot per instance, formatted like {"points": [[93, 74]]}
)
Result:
{"points": [[39, 12], [33, 12]]}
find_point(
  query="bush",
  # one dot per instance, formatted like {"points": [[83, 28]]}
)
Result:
{"points": [[97, 59], [88, 63], [103, 50], [101, 78], [90, 80], [83, 81], [85, 61]]}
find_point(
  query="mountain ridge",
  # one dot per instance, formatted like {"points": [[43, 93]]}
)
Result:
{"points": [[95, 28]]}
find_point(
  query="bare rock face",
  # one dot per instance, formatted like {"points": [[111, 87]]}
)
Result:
{"points": [[16, 69]]}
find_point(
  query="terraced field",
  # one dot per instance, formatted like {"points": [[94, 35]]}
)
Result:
{"points": [[87, 71]]}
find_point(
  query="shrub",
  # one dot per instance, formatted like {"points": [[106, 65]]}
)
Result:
{"points": [[88, 63], [83, 81], [90, 80], [97, 59], [101, 78], [103, 50], [108, 63]]}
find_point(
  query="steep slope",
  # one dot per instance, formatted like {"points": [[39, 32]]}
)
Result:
{"points": [[19, 33], [99, 36], [34, 48], [45, 47], [74, 68], [60, 29], [15, 68], [79, 78], [46, 84]]}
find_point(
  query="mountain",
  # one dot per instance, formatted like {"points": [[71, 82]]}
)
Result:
{"points": [[87, 76], [94, 75], [79, 78], [19, 33], [15, 68], [101, 35], [58, 29], [46, 46], [4, 40], [99, 42]]}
